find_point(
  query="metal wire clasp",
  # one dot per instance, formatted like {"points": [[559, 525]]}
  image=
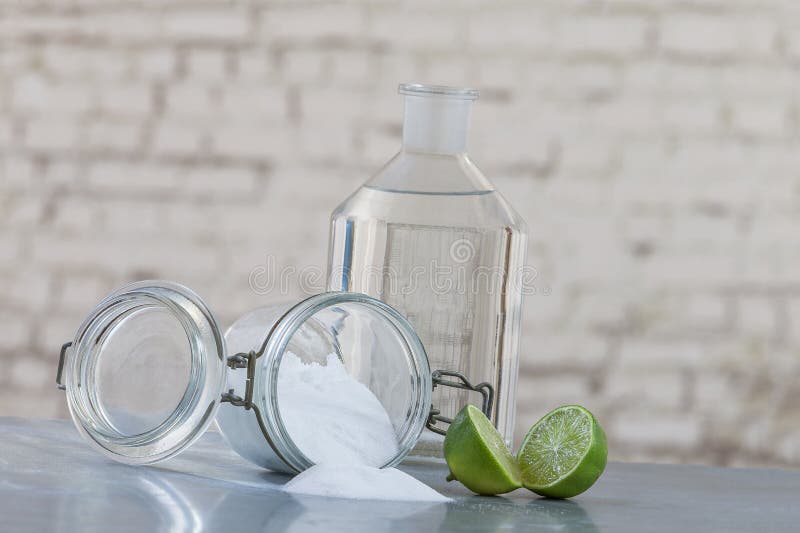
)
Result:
{"points": [[248, 361], [461, 382], [60, 371]]}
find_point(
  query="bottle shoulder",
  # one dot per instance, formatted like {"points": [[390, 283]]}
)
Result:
{"points": [[430, 189], [420, 172]]}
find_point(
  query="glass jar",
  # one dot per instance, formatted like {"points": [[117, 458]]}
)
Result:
{"points": [[148, 371], [431, 236]]}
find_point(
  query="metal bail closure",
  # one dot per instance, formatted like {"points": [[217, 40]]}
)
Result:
{"points": [[461, 382], [248, 361], [144, 374]]}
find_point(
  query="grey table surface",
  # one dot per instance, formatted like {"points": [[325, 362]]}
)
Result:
{"points": [[50, 480]]}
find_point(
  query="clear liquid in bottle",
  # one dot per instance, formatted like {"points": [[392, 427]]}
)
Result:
{"points": [[431, 236]]}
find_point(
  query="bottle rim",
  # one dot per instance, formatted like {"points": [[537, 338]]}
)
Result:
{"points": [[442, 91]]}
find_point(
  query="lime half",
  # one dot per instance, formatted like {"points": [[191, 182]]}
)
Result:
{"points": [[564, 453], [477, 455]]}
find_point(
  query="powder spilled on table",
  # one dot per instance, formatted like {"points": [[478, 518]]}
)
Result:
{"points": [[362, 483]]}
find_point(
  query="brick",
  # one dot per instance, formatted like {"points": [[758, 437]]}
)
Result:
{"points": [[125, 100], [38, 95], [124, 25], [670, 79], [71, 216], [207, 64], [307, 66], [14, 331], [114, 135], [313, 22], [123, 217], [745, 82], [648, 429], [425, 30], [30, 373], [326, 141], [552, 390], [253, 141], [699, 116], [618, 35], [189, 219], [644, 355], [352, 67], [60, 328], [254, 64], [206, 24], [7, 133], [709, 388], [756, 317], [16, 173], [126, 178], [255, 102], [705, 230], [78, 62], [760, 120], [31, 25], [27, 289], [698, 314], [714, 36], [157, 63], [62, 175], [142, 255], [663, 389], [497, 30], [49, 134], [220, 182], [78, 295], [23, 212], [177, 138], [190, 100]]}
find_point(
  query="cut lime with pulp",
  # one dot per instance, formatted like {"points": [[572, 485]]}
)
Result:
{"points": [[564, 453], [477, 455]]}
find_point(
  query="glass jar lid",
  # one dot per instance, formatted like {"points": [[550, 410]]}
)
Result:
{"points": [[145, 372]]}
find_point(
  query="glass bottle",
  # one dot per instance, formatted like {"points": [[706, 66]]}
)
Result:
{"points": [[431, 236]]}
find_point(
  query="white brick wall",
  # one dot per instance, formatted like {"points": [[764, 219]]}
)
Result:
{"points": [[651, 146]]}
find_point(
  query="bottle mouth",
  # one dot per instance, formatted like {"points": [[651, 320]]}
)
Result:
{"points": [[441, 91]]}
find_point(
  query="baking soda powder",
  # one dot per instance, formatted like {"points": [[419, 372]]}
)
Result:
{"points": [[341, 426]]}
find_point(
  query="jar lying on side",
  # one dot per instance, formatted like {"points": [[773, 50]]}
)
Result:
{"points": [[148, 371]]}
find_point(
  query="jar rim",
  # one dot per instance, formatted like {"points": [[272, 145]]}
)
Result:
{"points": [[274, 348], [200, 400]]}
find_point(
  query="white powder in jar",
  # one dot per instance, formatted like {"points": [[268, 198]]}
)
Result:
{"points": [[341, 426], [332, 417]]}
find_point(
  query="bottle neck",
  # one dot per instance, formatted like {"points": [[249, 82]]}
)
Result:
{"points": [[436, 125]]}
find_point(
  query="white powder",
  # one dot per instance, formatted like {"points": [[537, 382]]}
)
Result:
{"points": [[362, 483], [340, 425], [332, 417]]}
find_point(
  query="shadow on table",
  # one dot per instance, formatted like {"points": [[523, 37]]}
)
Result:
{"points": [[482, 513]]}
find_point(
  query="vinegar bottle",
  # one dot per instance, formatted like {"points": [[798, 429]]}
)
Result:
{"points": [[430, 235]]}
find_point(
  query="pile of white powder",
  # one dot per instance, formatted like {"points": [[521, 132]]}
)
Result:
{"points": [[340, 425], [362, 483]]}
